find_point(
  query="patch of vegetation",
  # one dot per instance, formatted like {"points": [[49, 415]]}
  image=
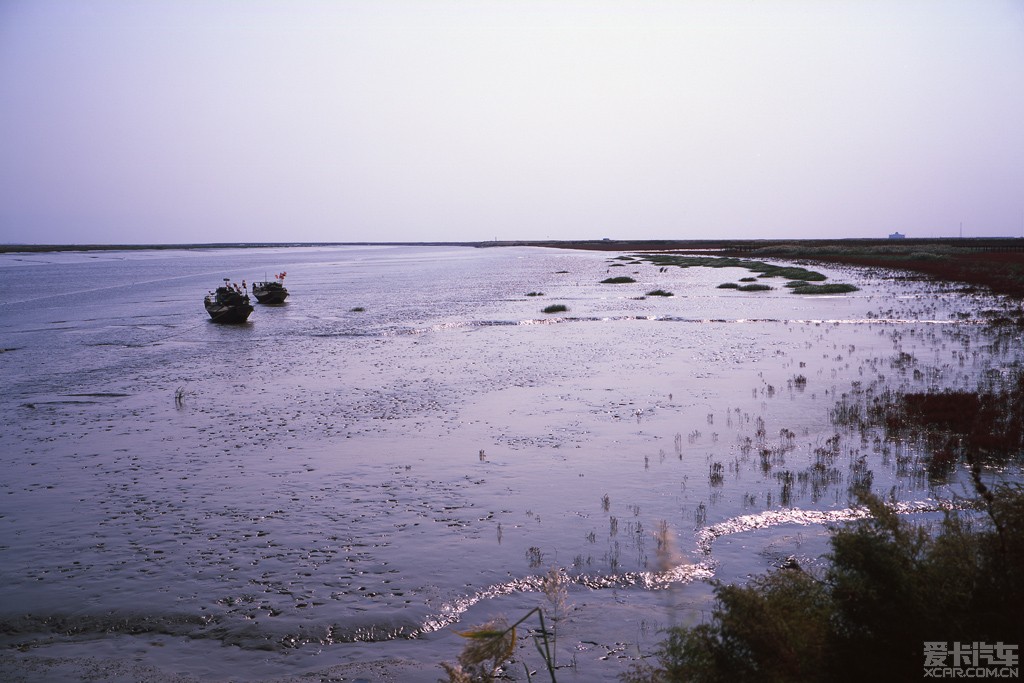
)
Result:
{"points": [[800, 279], [997, 264], [535, 294], [357, 309], [831, 288], [987, 422], [490, 645], [617, 265], [791, 273], [621, 280], [659, 292], [765, 269], [556, 308], [891, 586]]}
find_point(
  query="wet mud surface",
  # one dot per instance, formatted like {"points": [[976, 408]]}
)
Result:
{"points": [[334, 491]]}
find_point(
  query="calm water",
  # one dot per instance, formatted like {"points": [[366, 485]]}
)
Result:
{"points": [[332, 490]]}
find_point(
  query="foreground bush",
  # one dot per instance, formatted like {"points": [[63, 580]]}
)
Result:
{"points": [[891, 587]]}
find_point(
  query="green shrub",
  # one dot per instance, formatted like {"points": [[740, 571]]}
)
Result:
{"points": [[556, 308], [621, 280], [754, 288], [728, 285], [891, 586]]}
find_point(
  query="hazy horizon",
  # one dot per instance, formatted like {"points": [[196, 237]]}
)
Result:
{"points": [[426, 120]]}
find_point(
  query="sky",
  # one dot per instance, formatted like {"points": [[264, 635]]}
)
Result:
{"points": [[185, 121]]}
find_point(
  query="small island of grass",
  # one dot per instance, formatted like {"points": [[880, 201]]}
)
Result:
{"points": [[621, 280], [833, 288]]}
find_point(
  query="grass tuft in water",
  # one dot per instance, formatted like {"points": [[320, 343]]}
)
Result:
{"points": [[490, 645], [555, 308], [659, 292], [621, 280]]}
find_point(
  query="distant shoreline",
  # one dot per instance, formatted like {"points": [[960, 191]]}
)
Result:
{"points": [[990, 243], [995, 263]]}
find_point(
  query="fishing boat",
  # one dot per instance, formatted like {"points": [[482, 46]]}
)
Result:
{"points": [[271, 291], [228, 304]]}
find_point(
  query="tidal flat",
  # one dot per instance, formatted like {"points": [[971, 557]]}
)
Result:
{"points": [[409, 445]]}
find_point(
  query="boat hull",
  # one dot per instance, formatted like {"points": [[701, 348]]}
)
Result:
{"points": [[272, 293], [228, 315]]}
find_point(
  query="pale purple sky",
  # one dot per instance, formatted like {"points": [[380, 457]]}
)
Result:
{"points": [[168, 121]]}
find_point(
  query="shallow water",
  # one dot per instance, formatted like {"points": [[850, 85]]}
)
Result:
{"points": [[325, 489]]}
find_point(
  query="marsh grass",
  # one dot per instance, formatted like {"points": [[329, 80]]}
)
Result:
{"points": [[763, 269], [659, 292], [621, 280], [535, 294], [555, 586], [831, 288], [800, 279], [988, 421], [492, 644], [357, 309], [966, 261], [555, 308]]}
